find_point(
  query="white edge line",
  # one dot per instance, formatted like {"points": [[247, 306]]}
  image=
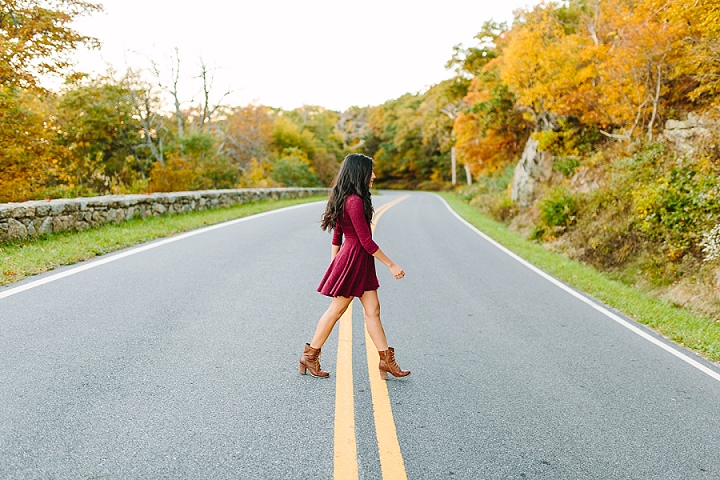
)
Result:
{"points": [[682, 356], [132, 251]]}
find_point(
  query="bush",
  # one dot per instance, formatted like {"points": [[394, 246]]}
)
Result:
{"points": [[175, 176], [490, 194], [566, 165], [558, 208], [293, 172]]}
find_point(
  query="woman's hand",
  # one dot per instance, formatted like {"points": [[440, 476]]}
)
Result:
{"points": [[397, 272]]}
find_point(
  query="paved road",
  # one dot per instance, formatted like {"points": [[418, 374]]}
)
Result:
{"points": [[181, 362]]}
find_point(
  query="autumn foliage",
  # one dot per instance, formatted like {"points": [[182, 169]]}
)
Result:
{"points": [[572, 74]]}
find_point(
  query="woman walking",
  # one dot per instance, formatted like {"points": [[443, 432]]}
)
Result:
{"points": [[352, 270]]}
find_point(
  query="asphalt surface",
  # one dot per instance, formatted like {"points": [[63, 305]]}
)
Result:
{"points": [[181, 362]]}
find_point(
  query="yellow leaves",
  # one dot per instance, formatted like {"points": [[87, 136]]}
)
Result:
{"points": [[608, 63], [176, 175], [40, 39], [700, 45], [257, 175]]}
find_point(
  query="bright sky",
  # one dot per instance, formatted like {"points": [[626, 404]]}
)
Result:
{"points": [[286, 53]]}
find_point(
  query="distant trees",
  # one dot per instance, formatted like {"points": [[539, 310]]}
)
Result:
{"points": [[572, 74]]}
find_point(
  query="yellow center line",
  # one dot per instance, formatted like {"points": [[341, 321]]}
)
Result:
{"points": [[345, 446], [391, 460], [345, 456]]}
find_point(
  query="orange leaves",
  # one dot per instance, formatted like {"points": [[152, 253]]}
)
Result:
{"points": [[37, 37], [488, 136], [700, 46], [175, 176], [27, 148], [607, 63], [248, 132]]}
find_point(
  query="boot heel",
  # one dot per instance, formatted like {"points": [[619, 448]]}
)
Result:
{"points": [[302, 369], [383, 374]]}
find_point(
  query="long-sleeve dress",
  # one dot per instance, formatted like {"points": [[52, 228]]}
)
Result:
{"points": [[352, 271]]}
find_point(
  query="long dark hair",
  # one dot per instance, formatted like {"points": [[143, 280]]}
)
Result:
{"points": [[353, 177]]}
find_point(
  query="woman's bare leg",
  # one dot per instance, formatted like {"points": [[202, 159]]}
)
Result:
{"points": [[329, 319], [371, 305]]}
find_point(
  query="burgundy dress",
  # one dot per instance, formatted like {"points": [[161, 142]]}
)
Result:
{"points": [[352, 271]]}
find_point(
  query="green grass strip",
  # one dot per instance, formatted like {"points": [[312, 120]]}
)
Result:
{"points": [[693, 331], [31, 257]]}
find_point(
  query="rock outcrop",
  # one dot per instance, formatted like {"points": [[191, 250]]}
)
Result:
{"points": [[535, 167], [687, 135]]}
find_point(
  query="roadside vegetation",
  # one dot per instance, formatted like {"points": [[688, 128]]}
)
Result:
{"points": [[31, 257]]}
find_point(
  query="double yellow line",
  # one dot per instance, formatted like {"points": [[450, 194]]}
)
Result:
{"points": [[345, 456]]}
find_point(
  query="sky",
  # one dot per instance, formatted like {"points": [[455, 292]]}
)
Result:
{"points": [[286, 53]]}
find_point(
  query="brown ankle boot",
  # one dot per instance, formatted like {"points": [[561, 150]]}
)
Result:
{"points": [[310, 360], [389, 365]]}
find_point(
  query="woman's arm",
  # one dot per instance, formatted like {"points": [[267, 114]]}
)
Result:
{"points": [[354, 209], [336, 240], [395, 269]]}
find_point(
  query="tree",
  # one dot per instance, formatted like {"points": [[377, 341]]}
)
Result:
{"points": [[29, 156], [606, 63], [700, 46], [171, 87], [36, 37], [352, 127], [442, 104], [208, 109], [490, 132], [470, 62], [148, 109], [641, 55], [99, 123], [246, 134]]}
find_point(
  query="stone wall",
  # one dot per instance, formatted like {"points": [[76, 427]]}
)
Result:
{"points": [[31, 219]]}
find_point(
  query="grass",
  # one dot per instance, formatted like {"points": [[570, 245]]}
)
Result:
{"points": [[31, 257], [693, 331]]}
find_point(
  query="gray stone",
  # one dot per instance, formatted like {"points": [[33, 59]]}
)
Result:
{"points": [[535, 167], [46, 226], [57, 208], [62, 223], [16, 230], [20, 212], [686, 135], [42, 210]]}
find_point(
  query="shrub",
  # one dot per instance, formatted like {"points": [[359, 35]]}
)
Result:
{"points": [[175, 176], [293, 172], [490, 194], [558, 208], [566, 165]]}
